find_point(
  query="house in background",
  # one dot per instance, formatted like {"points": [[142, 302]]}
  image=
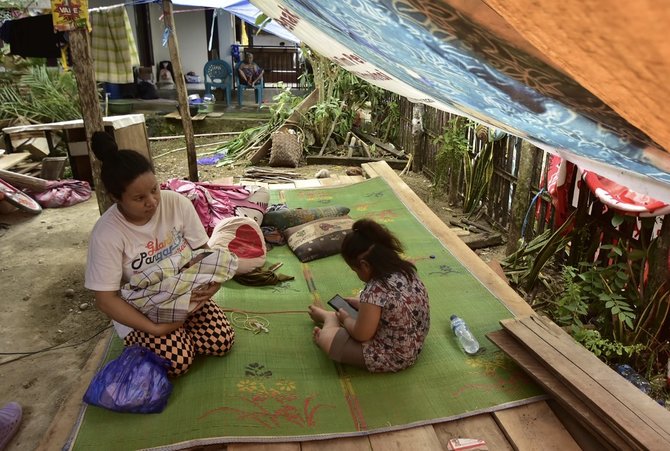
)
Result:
{"points": [[205, 34]]}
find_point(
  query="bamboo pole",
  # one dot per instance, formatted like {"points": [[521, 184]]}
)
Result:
{"points": [[82, 64], [182, 94]]}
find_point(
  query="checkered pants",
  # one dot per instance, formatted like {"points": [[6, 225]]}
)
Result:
{"points": [[206, 332]]}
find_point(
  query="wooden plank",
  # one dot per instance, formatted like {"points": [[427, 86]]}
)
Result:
{"points": [[420, 438], [352, 161], [581, 431], [333, 180], [622, 405], [562, 394], [11, 159], [482, 427], [307, 183], [294, 446], [369, 170], [281, 186], [479, 269], [346, 443], [534, 426]]}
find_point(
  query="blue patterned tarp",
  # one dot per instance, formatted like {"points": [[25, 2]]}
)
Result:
{"points": [[431, 53]]}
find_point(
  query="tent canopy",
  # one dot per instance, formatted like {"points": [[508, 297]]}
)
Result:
{"points": [[245, 11], [584, 82]]}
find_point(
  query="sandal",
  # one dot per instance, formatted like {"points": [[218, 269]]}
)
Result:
{"points": [[10, 419]]}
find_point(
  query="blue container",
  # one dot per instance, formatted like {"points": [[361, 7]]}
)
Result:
{"points": [[114, 90]]}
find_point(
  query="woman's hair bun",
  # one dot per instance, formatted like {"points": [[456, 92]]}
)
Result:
{"points": [[103, 145]]}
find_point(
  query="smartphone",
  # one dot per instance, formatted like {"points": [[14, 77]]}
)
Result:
{"points": [[198, 258], [338, 302]]}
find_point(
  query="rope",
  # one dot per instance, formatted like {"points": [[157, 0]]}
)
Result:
{"points": [[253, 321]]}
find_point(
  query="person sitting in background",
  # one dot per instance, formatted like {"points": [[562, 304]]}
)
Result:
{"points": [[250, 73]]}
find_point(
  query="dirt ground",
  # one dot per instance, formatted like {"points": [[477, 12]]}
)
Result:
{"points": [[48, 323]]}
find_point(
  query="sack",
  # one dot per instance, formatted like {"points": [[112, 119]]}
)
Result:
{"points": [[287, 144], [63, 193], [136, 382]]}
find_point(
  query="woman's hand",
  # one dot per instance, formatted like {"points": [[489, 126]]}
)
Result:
{"points": [[205, 292]]}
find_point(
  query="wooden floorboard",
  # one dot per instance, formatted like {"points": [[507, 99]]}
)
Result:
{"points": [[339, 444], [535, 427], [577, 407], [419, 438], [483, 427], [623, 407]]}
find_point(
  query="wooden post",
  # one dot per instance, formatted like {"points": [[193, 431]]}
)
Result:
{"points": [[80, 48], [521, 196], [182, 94], [417, 137], [658, 262]]}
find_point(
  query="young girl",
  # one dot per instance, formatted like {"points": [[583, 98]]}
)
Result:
{"points": [[393, 313], [143, 227]]}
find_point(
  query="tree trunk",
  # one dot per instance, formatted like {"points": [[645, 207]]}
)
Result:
{"points": [[80, 47], [182, 93], [521, 196], [417, 137]]}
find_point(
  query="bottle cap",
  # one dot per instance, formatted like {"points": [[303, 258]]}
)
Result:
{"points": [[453, 317]]}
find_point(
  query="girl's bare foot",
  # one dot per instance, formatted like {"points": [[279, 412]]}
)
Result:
{"points": [[319, 315]]}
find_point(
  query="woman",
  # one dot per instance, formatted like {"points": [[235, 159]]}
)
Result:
{"points": [[144, 227], [250, 73]]}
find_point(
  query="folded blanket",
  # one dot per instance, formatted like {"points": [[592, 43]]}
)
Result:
{"points": [[163, 291]]}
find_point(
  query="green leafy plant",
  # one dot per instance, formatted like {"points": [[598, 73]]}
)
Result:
{"points": [[478, 171], [607, 350], [452, 149], [41, 95]]}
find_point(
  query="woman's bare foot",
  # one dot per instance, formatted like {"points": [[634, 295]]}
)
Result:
{"points": [[321, 316]]}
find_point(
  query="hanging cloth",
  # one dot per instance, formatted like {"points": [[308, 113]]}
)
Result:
{"points": [[33, 37], [113, 45]]}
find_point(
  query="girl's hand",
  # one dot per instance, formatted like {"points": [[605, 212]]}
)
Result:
{"points": [[354, 302]]}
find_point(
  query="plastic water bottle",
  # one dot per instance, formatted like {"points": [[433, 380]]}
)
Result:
{"points": [[468, 341]]}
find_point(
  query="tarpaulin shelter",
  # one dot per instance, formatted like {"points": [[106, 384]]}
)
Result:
{"points": [[245, 11], [580, 80]]}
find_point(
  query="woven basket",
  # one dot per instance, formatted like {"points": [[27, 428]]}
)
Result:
{"points": [[287, 145]]}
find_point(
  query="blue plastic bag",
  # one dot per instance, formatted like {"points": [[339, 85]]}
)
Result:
{"points": [[136, 381]]}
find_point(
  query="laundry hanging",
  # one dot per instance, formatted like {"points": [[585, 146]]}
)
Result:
{"points": [[113, 45], [33, 37]]}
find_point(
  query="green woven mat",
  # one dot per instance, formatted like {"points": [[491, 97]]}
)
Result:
{"points": [[279, 386]]}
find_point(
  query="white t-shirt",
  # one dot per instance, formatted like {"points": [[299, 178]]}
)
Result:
{"points": [[118, 249]]}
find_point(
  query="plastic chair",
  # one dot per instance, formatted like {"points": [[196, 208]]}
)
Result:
{"points": [[258, 87], [218, 74]]}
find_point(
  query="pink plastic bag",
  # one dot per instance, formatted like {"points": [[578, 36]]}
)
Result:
{"points": [[64, 193]]}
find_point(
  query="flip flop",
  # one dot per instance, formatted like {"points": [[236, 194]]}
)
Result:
{"points": [[10, 419]]}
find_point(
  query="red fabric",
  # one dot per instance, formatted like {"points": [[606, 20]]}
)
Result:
{"points": [[214, 202]]}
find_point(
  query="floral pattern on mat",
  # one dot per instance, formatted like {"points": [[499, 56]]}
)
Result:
{"points": [[272, 400]]}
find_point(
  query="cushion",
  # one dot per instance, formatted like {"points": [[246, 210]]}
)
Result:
{"points": [[243, 238], [319, 238], [283, 219]]}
